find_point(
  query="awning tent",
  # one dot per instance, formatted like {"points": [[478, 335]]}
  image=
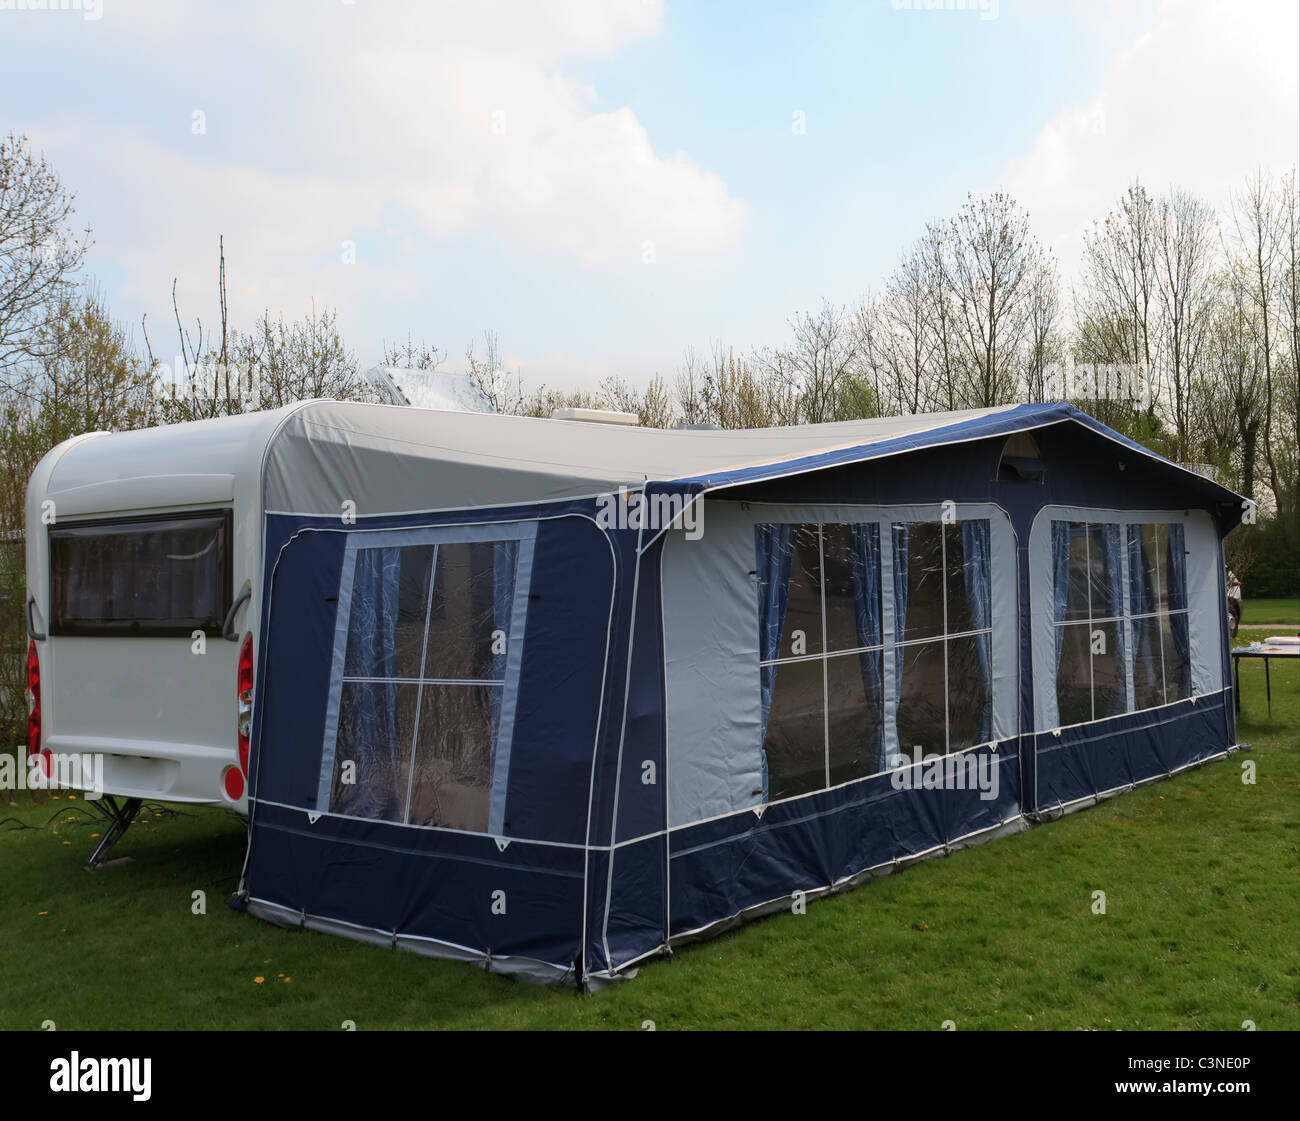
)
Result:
{"points": [[552, 697]]}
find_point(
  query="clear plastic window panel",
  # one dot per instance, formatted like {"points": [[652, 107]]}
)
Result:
{"points": [[1091, 682], [823, 705], [1158, 603], [943, 599], [429, 632]]}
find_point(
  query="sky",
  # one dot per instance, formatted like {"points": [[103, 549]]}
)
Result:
{"points": [[604, 182]]}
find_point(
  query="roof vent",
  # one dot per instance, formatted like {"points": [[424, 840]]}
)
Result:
{"points": [[596, 416]]}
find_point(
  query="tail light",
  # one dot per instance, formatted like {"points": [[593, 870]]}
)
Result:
{"points": [[244, 693], [34, 692]]}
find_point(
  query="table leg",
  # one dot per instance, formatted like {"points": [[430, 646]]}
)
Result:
{"points": [[1236, 693], [1268, 686]]}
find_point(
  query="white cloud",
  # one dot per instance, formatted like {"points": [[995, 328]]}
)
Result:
{"points": [[1209, 93], [374, 122]]}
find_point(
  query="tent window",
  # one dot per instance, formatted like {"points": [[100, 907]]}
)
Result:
{"points": [[943, 632], [1089, 631], [823, 648], [820, 655], [1158, 607], [424, 678], [1118, 649]]}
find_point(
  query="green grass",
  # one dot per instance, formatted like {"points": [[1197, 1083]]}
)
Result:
{"points": [[1202, 930], [1256, 612]]}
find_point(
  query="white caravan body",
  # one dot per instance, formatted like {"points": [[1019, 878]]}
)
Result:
{"points": [[139, 545]]}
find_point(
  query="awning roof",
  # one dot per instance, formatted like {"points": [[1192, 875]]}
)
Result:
{"points": [[390, 459]]}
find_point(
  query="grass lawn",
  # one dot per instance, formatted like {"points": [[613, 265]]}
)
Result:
{"points": [[1258, 611], [1202, 930]]}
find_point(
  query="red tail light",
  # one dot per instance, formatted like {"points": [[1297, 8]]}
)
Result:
{"points": [[244, 694], [34, 689]]}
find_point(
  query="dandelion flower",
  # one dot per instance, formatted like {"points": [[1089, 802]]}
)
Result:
{"points": [[258, 980]]}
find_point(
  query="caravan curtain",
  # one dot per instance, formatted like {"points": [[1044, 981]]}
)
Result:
{"points": [[1178, 604], [900, 535], [1060, 580], [866, 603], [372, 653], [505, 563], [775, 553], [975, 551], [1145, 659], [1115, 581]]}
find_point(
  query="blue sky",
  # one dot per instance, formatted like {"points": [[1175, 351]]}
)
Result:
{"points": [[504, 165]]}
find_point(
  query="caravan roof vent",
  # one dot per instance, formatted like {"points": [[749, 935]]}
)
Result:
{"points": [[596, 416]]}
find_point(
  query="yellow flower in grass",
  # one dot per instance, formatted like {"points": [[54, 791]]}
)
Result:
{"points": [[258, 980]]}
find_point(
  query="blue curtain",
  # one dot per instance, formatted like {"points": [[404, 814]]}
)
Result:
{"points": [[774, 545], [372, 652], [975, 550], [505, 561], [1145, 659], [900, 534], [866, 602], [1177, 602], [1115, 578], [1060, 580]]}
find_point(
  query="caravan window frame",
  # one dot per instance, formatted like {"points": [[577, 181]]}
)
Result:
{"points": [[135, 628], [523, 534]]}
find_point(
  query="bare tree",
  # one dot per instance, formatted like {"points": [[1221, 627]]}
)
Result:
{"points": [[409, 356], [1184, 263], [989, 268], [812, 367], [908, 332], [1282, 443], [1230, 398], [504, 391], [1119, 284], [689, 388], [1044, 341], [39, 252]]}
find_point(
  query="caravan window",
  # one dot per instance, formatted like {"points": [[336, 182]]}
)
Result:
{"points": [[1119, 618], [429, 632], [825, 654], [159, 575]]}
